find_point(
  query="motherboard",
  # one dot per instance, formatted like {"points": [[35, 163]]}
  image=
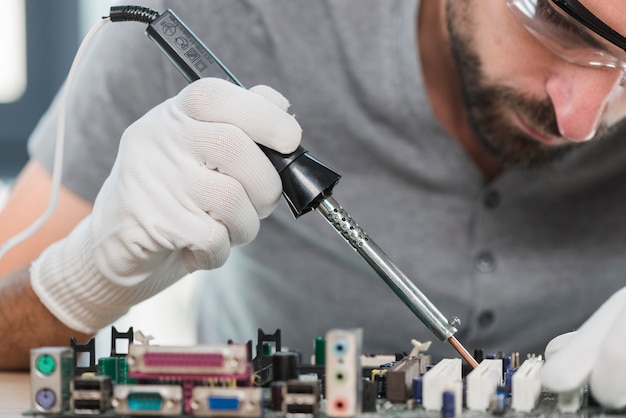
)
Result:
{"points": [[239, 380]]}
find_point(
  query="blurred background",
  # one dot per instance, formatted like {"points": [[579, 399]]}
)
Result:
{"points": [[38, 41]]}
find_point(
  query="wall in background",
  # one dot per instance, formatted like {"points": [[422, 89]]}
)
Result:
{"points": [[53, 33]]}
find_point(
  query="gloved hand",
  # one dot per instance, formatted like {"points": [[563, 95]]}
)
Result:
{"points": [[594, 354], [188, 183]]}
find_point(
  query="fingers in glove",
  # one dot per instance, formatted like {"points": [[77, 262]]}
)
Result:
{"points": [[224, 199], [216, 100], [272, 95], [557, 343], [608, 378], [211, 248], [571, 367], [227, 149]]}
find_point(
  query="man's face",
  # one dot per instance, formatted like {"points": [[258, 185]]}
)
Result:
{"points": [[525, 104]]}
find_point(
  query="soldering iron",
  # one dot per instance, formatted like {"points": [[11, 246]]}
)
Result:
{"points": [[307, 182]]}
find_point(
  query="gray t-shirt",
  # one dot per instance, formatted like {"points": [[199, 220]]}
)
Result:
{"points": [[519, 260]]}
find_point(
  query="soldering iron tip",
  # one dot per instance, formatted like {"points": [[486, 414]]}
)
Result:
{"points": [[463, 352]]}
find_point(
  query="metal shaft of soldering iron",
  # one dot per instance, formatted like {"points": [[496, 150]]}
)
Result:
{"points": [[307, 182], [404, 288]]}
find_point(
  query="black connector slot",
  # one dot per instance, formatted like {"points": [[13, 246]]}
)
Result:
{"points": [[87, 404], [296, 388], [87, 384], [300, 409]]}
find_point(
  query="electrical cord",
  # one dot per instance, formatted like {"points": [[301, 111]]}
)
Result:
{"points": [[117, 14], [133, 14], [58, 147]]}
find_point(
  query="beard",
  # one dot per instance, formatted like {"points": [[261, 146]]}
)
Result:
{"points": [[489, 107]]}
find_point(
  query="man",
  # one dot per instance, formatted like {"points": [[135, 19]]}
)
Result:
{"points": [[457, 126]]}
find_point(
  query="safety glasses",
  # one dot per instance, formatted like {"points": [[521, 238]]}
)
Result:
{"points": [[572, 32]]}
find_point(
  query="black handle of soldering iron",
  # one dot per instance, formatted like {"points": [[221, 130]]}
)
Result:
{"points": [[306, 180]]}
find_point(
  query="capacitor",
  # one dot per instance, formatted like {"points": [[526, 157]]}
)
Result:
{"points": [[508, 380], [380, 379], [448, 407], [320, 351], [506, 364], [498, 402], [417, 390]]}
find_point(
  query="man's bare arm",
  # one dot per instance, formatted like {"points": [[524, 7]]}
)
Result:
{"points": [[25, 323], [28, 200]]}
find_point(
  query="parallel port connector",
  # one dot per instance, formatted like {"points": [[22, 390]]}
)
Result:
{"points": [[229, 360]]}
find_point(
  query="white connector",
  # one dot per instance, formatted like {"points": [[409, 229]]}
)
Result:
{"points": [[526, 385], [570, 402], [437, 380], [482, 383]]}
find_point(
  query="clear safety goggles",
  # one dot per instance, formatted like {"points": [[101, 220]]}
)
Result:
{"points": [[572, 32]]}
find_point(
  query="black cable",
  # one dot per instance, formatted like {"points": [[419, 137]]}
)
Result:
{"points": [[133, 14]]}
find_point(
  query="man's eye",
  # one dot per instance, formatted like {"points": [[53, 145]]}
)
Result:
{"points": [[571, 32]]}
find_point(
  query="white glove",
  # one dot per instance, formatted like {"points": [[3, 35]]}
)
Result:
{"points": [[188, 183], [595, 354]]}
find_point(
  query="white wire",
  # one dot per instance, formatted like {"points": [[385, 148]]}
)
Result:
{"points": [[58, 148]]}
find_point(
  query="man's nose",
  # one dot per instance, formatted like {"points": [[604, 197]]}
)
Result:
{"points": [[580, 97]]}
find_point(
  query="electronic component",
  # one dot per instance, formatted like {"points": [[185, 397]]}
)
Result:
{"points": [[515, 360], [300, 397], [284, 366], [84, 354], [319, 356], [526, 385], [52, 369], [276, 391], [116, 336], [226, 402], [90, 394], [116, 368], [227, 361], [148, 399], [508, 379], [379, 377], [457, 388], [482, 383], [570, 402], [267, 345], [343, 372], [447, 404], [498, 403], [436, 380], [66, 396], [376, 360], [400, 376], [416, 390], [370, 396]]}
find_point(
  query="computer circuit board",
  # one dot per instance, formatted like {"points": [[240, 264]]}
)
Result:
{"points": [[225, 381]]}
